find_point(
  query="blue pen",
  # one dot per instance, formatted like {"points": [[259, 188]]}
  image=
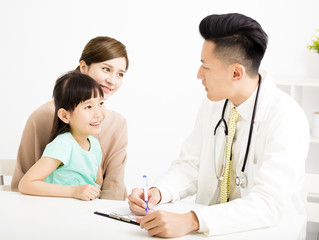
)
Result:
{"points": [[145, 192]]}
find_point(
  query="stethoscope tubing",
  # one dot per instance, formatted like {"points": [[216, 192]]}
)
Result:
{"points": [[251, 126], [222, 120]]}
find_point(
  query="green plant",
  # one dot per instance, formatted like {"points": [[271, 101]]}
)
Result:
{"points": [[315, 44]]}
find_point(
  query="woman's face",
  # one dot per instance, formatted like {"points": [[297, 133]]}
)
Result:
{"points": [[109, 74]]}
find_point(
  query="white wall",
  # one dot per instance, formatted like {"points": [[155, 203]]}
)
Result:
{"points": [[39, 40]]}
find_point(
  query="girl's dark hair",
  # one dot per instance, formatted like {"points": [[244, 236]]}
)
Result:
{"points": [[101, 49], [71, 89], [237, 38]]}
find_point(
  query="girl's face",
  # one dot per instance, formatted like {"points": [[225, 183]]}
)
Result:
{"points": [[109, 74], [86, 118]]}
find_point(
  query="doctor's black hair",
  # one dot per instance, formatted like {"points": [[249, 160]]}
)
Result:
{"points": [[69, 91], [237, 38]]}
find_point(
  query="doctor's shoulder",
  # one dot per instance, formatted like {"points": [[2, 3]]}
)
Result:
{"points": [[285, 110], [290, 108]]}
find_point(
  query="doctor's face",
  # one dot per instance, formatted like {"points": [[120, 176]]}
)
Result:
{"points": [[216, 76]]}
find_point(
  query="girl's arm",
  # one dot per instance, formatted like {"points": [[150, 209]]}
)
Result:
{"points": [[32, 183], [99, 177]]}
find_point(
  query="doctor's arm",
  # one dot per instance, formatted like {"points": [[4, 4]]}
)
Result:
{"points": [[33, 183], [275, 176], [166, 224], [181, 179], [276, 172], [161, 223]]}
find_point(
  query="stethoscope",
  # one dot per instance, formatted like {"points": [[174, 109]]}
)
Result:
{"points": [[240, 180]]}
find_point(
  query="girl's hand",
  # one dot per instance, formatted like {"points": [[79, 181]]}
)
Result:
{"points": [[86, 192]]}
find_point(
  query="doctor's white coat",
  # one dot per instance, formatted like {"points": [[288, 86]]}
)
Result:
{"points": [[275, 166]]}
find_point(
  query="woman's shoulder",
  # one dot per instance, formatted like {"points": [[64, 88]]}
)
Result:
{"points": [[113, 125], [42, 116], [114, 118], [44, 112]]}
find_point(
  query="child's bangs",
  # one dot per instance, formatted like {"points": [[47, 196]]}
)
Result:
{"points": [[84, 88]]}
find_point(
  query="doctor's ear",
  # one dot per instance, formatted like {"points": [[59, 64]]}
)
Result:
{"points": [[64, 115], [239, 71]]}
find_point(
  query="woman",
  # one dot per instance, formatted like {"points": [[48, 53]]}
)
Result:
{"points": [[105, 60]]}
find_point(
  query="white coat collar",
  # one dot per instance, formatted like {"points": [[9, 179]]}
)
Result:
{"points": [[266, 91], [266, 95], [246, 108]]}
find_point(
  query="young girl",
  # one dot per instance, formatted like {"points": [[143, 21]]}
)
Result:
{"points": [[70, 164]]}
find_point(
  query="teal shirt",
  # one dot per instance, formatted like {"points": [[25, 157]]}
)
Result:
{"points": [[79, 166]]}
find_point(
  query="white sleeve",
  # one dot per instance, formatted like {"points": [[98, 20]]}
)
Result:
{"points": [[277, 181]]}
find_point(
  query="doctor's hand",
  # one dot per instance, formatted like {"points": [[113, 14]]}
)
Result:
{"points": [[166, 224], [137, 203]]}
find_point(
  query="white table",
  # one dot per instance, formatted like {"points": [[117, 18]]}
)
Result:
{"points": [[30, 217]]}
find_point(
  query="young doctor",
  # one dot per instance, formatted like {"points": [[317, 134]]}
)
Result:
{"points": [[245, 158]]}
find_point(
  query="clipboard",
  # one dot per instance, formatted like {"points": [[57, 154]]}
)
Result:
{"points": [[124, 214], [120, 217]]}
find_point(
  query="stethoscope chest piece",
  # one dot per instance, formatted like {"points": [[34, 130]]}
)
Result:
{"points": [[241, 180]]}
